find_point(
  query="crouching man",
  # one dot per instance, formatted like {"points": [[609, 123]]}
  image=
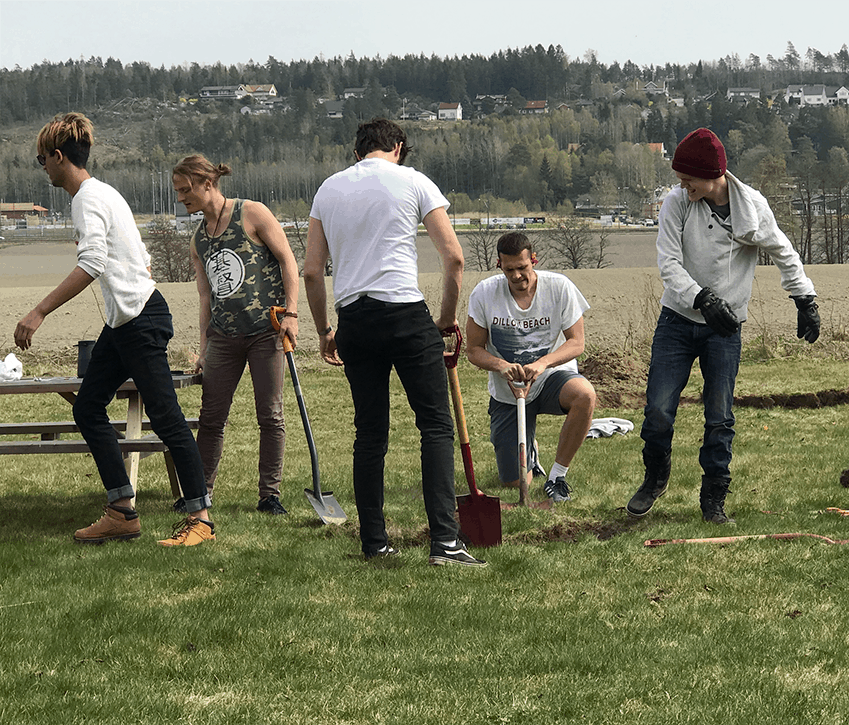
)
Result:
{"points": [[528, 326]]}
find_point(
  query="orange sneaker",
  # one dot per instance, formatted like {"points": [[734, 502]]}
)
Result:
{"points": [[190, 532], [114, 525]]}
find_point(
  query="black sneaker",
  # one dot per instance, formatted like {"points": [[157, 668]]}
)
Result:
{"points": [[271, 505], [558, 490], [180, 506], [456, 554], [383, 553], [537, 470]]}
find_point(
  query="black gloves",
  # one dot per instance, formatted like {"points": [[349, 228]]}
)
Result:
{"points": [[717, 313], [807, 317]]}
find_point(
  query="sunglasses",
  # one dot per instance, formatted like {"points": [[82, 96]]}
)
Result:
{"points": [[42, 159]]}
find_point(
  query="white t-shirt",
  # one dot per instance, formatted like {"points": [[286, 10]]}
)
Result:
{"points": [[370, 213], [523, 336], [110, 248]]}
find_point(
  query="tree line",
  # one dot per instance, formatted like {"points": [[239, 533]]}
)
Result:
{"points": [[589, 153]]}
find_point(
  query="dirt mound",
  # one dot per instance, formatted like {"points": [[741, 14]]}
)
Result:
{"points": [[619, 378]]}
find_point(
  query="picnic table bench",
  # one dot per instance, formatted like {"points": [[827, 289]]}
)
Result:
{"points": [[133, 445]]}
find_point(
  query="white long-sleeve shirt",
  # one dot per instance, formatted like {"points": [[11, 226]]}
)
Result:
{"points": [[695, 250], [110, 248]]}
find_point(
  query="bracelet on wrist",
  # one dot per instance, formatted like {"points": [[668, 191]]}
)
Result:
{"points": [[322, 333], [291, 314]]}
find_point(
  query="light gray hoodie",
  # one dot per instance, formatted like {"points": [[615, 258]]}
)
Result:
{"points": [[695, 250]]}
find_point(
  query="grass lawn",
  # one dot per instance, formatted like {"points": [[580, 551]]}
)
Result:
{"points": [[575, 620]]}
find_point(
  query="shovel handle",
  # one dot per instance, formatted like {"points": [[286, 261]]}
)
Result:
{"points": [[462, 430], [523, 452], [274, 314], [452, 357]]}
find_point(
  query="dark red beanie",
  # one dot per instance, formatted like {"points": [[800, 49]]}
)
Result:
{"points": [[700, 154]]}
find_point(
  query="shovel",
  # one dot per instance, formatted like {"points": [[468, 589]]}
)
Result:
{"points": [[521, 426], [480, 515], [522, 441], [325, 505]]}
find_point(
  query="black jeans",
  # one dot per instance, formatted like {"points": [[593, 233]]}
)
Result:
{"points": [[138, 350], [373, 337]]}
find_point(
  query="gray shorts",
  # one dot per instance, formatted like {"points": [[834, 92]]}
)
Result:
{"points": [[504, 428]]}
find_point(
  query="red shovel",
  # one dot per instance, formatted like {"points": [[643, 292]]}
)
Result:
{"points": [[480, 515]]}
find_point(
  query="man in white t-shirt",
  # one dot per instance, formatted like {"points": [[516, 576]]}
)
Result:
{"points": [[528, 326], [365, 218]]}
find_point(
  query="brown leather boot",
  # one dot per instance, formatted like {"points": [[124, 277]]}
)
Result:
{"points": [[116, 524]]}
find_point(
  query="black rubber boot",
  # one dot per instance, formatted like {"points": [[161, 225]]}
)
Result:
{"points": [[655, 483], [712, 500]]}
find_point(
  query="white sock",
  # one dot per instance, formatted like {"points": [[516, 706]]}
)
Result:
{"points": [[448, 544], [557, 471]]}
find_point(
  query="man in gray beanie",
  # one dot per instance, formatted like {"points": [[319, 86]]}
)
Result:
{"points": [[711, 228]]}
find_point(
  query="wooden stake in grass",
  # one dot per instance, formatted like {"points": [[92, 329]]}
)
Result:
{"points": [[733, 539]]}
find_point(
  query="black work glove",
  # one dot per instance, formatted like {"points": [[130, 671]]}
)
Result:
{"points": [[807, 317], [717, 313]]}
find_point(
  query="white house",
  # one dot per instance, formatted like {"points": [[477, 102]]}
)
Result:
{"points": [[743, 95], [223, 92], [450, 112], [817, 95]]}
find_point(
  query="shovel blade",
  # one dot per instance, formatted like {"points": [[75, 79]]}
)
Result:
{"points": [[327, 508], [480, 519]]}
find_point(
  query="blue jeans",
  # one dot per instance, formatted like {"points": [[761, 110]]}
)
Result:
{"points": [[373, 337], [677, 343], [138, 350]]}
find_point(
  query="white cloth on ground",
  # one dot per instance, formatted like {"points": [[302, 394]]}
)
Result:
{"points": [[606, 427]]}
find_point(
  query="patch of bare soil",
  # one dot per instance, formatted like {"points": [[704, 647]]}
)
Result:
{"points": [[619, 378], [822, 399], [570, 530]]}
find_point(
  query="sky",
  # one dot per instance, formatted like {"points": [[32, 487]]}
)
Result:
{"points": [[236, 31]]}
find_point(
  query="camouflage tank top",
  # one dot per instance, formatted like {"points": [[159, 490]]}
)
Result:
{"points": [[244, 277]]}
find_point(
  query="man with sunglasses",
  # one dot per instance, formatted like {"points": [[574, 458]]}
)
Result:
{"points": [[133, 343]]}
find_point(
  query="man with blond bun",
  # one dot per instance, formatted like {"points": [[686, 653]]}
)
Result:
{"points": [[711, 229], [244, 266], [132, 344]]}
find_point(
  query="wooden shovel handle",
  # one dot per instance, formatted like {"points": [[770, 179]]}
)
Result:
{"points": [[274, 314]]}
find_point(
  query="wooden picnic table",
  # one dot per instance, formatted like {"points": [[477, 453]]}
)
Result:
{"points": [[133, 444]]}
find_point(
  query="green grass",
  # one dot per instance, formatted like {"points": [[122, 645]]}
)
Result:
{"points": [[281, 621]]}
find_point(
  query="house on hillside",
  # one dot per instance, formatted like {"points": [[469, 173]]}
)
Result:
{"points": [[534, 107], [450, 112], [223, 93], [743, 95], [262, 92], [412, 112], [817, 95], [657, 148], [651, 88], [486, 103], [353, 93], [334, 109]]}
